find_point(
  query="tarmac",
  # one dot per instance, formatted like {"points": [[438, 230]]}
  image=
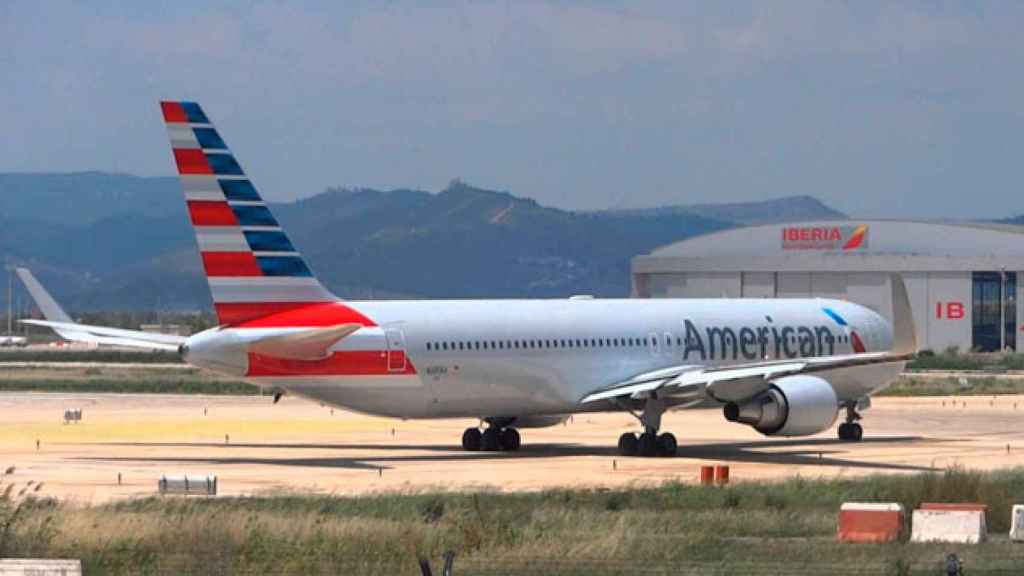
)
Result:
{"points": [[126, 442]]}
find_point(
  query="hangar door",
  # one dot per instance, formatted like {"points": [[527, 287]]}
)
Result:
{"points": [[994, 308]]}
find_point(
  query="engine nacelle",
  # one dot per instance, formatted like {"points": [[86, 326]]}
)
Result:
{"points": [[792, 406]]}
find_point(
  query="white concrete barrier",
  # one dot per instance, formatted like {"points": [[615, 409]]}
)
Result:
{"points": [[1017, 524], [39, 567], [949, 525]]}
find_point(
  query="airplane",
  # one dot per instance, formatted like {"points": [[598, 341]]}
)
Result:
{"points": [[63, 325], [786, 367]]}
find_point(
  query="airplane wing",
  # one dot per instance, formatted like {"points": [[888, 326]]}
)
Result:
{"points": [[111, 336], [68, 329], [740, 382]]}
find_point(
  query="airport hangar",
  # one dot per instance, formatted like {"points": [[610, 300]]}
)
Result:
{"points": [[962, 278]]}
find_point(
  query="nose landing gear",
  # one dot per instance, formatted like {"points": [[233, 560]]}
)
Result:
{"points": [[851, 431]]}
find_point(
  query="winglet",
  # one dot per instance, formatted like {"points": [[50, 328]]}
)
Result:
{"points": [[904, 336], [47, 305]]}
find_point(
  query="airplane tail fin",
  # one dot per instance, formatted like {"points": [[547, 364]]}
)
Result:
{"points": [[47, 305], [251, 265], [904, 333]]}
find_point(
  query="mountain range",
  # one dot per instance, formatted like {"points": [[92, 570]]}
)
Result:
{"points": [[104, 241]]}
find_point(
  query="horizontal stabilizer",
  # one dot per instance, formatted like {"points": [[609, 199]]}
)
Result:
{"points": [[311, 344]]}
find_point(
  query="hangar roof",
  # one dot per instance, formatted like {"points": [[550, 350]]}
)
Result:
{"points": [[846, 245]]}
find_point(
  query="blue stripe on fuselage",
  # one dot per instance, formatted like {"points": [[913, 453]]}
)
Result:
{"points": [[832, 314]]}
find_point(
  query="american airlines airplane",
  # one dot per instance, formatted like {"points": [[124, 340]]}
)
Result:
{"points": [[786, 367]]}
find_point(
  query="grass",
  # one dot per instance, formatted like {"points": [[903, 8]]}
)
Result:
{"points": [[97, 356], [751, 528], [975, 386], [952, 359], [170, 385], [136, 380]]}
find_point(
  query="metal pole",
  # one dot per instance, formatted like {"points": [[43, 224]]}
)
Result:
{"points": [[1002, 308], [10, 301]]}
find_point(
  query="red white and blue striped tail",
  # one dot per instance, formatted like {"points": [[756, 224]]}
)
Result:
{"points": [[252, 266]]}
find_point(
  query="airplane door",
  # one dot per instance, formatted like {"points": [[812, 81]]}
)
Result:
{"points": [[396, 349]]}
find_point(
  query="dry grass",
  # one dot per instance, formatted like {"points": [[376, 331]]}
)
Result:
{"points": [[748, 528]]}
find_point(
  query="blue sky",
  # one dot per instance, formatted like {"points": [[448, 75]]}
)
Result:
{"points": [[906, 109]]}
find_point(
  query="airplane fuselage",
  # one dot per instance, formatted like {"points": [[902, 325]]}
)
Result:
{"points": [[448, 358]]}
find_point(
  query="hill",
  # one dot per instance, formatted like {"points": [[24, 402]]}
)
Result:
{"points": [[112, 241], [788, 209]]}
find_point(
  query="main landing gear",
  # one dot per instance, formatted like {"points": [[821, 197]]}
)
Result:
{"points": [[649, 443], [851, 431], [492, 439]]}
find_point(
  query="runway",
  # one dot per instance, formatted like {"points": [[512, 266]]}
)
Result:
{"points": [[256, 447]]}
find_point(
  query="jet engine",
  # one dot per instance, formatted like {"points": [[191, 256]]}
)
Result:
{"points": [[792, 406]]}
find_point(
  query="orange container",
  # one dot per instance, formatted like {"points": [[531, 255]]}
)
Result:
{"points": [[871, 523], [707, 474], [721, 474]]}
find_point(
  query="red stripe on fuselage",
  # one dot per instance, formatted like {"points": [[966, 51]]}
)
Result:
{"points": [[231, 264], [858, 346], [304, 315], [173, 112], [343, 363], [211, 213], [191, 161]]}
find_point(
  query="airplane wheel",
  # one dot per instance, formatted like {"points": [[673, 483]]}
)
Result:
{"points": [[491, 440], [628, 444], [667, 445], [851, 432], [510, 440], [648, 444], [471, 440]]}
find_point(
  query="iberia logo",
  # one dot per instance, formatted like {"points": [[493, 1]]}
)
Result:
{"points": [[855, 341], [824, 237]]}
